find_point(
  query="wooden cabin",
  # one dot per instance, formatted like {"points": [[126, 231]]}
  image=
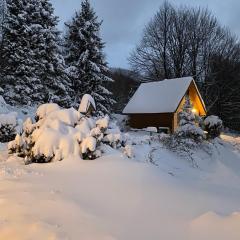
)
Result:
{"points": [[157, 104]]}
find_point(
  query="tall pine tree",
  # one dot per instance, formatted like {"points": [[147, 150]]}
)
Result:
{"points": [[2, 16], [52, 67], [33, 69], [85, 59]]}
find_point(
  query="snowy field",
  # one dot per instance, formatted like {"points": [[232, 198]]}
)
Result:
{"points": [[155, 195]]}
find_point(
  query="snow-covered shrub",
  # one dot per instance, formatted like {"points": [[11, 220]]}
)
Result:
{"points": [[60, 133], [113, 136], [187, 137], [122, 121], [8, 124], [188, 125], [213, 125], [189, 131], [89, 148], [103, 123], [45, 109], [16, 145], [113, 139], [129, 151]]}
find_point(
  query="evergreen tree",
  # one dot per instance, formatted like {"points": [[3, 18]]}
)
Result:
{"points": [[84, 56], [52, 67], [2, 15], [187, 123], [33, 70]]}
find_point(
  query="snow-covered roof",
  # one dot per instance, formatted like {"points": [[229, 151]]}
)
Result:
{"points": [[158, 97]]}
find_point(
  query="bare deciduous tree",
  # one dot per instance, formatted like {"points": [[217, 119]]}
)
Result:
{"points": [[177, 42]]}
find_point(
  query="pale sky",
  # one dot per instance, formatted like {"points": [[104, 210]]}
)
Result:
{"points": [[124, 20]]}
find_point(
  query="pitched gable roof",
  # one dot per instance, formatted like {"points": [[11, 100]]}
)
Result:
{"points": [[159, 97]]}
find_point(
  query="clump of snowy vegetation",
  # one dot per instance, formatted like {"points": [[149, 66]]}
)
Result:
{"points": [[189, 134], [213, 125], [188, 125], [122, 121], [129, 151], [9, 123], [59, 133], [45, 109], [8, 126]]}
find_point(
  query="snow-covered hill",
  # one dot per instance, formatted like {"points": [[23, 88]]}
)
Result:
{"points": [[156, 195]]}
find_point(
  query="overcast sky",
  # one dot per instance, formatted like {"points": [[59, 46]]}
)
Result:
{"points": [[123, 20]]}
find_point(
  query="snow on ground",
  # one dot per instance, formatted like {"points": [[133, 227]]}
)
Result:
{"points": [[156, 195]]}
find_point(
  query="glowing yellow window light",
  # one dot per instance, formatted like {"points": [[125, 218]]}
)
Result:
{"points": [[194, 110]]}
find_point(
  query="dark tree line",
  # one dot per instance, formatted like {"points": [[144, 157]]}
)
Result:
{"points": [[124, 86], [185, 41], [38, 66]]}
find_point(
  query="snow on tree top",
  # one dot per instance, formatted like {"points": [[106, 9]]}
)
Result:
{"points": [[86, 101], [213, 120], [158, 97], [45, 109]]}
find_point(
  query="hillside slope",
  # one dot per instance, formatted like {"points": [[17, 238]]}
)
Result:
{"points": [[119, 198]]}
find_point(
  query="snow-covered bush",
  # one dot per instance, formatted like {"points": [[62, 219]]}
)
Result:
{"points": [[60, 133], [213, 125], [45, 109], [129, 151], [113, 136], [8, 124], [187, 137], [188, 125], [122, 121]]}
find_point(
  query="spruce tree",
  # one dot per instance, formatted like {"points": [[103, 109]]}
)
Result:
{"points": [[19, 70], [188, 126], [33, 70], [84, 56], [57, 87], [2, 16]]}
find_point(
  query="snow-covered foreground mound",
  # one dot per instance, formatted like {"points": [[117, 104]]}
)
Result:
{"points": [[119, 198]]}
